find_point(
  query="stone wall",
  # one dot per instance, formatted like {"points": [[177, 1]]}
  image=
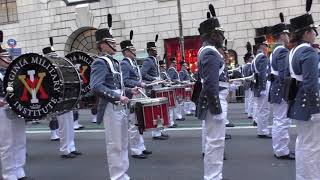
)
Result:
{"points": [[38, 20]]}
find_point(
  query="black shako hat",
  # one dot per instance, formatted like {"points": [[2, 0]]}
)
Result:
{"points": [[281, 27], [48, 50], [211, 24], [152, 45], [127, 44], [304, 21], [249, 51], [105, 34], [262, 31], [260, 40]]}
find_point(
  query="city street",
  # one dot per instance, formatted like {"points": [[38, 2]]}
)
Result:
{"points": [[179, 158]]}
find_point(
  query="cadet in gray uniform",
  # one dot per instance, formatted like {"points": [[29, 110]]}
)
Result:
{"points": [[281, 124], [209, 107], [131, 79], [163, 69], [66, 126], [12, 132], [106, 83], [150, 72], [246, 71], [261, 87], [304, 105]]}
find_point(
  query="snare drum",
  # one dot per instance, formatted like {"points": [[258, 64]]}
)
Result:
{"points": [[180, 92], [167, 92], [188, 91], [151, 113], [42, 85]]}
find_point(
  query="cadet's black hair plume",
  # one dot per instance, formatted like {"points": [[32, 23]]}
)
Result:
{"points": [[281, 17], [249, 47], [131, 35], [308, 5], [1, 36], [51, 41], [208, 15], [212, 11], [156, 39], [109, 20]]}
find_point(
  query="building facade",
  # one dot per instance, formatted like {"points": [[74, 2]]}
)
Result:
{"points": [[72, 23]]}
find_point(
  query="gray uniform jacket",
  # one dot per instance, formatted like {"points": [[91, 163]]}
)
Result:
{"points": [[3, 72], [305, 62], [210, 61], [173, 74], [103, 84], [246, 71], [149, 70], [279, 58], [184, 75], [261, 65], [164, 75], [130, 74]]}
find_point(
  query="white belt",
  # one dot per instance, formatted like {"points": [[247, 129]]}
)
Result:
{"points": [[275, 73]]}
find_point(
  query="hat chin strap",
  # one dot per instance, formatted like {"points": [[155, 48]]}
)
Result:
{"points": [[134, 54], [111, 47]]}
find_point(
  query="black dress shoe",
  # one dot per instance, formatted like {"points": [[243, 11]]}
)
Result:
{"points": [[250, 117], [26, 178], [173, 126], [55, 139], [230, 125], [265, 136], [182, 119], [202, 155], [228, 136], [160, 138], [290, 156], [77, 153], [254, 123], [224, 156], [146, 152], [164, 135], [68, 156], [140, 156]]}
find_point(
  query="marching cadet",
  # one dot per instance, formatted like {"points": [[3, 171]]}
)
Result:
{"points": [[106, 83], [246, 71], [131, 79], [174, 77], [209, 106], [261, 87], [163, 70], [12, 132], [281, 124], [185, 77], [65, 124], [150, 72], [304, 105]]}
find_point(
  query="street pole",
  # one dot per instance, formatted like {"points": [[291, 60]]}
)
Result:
{"points": [[181, 38]]}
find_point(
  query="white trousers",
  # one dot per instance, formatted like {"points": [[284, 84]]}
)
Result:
{"points": [[250, 104], [262, 112], [116, 132], [179, 110], [66, 123], [187, 107], [12, 146], [214, 140], [280, 129], [308, 149], [136, 139]]}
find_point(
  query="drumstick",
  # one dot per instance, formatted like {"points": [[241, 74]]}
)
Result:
{"points": [[142, 93]]}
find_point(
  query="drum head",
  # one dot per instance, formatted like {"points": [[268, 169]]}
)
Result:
{"points": [[82, 62], [36, 86]]}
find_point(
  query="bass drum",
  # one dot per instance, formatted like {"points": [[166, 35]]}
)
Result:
{"points": [[83, 61], [42, 85]]}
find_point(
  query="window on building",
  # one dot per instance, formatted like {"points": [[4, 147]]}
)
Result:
{"points": [[8, 11], [74, 2]]}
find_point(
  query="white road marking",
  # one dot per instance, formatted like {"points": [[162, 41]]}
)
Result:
{"points": [[34, 131]]}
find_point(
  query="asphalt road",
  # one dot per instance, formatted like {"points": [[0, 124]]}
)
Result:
{"points": [[179, 158]]}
